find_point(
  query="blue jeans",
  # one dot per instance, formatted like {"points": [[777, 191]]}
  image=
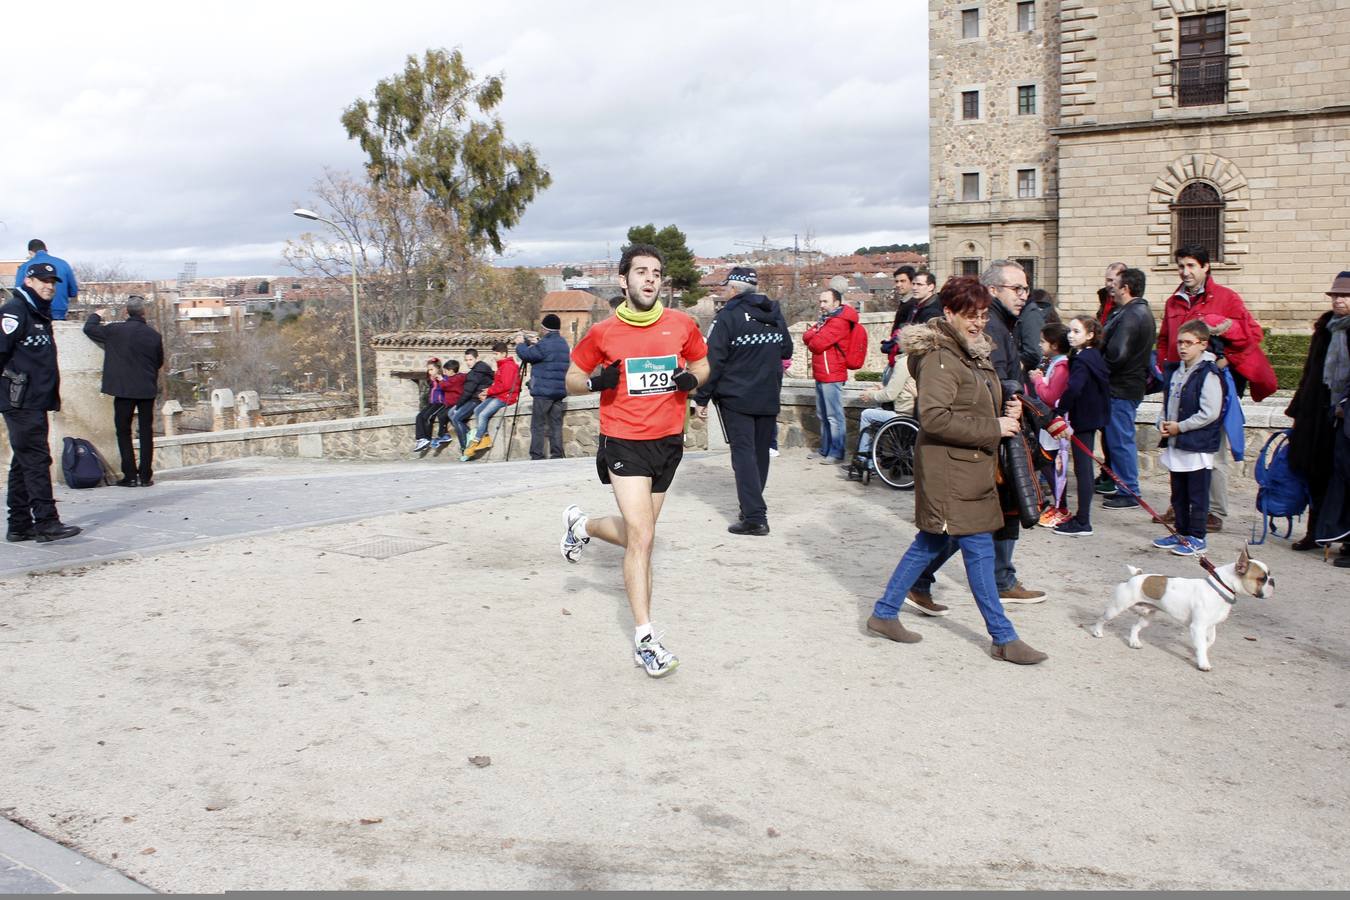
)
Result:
{"points": [[1118, 437], [484, 412], [871, 417], [977, 551], [1005, 574], [459, 418], [830, 412]]}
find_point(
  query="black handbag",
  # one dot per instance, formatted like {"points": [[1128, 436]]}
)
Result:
{"points": [[1017, 468]]}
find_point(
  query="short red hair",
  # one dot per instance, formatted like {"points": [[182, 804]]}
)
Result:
{"points": [[963, 295]]}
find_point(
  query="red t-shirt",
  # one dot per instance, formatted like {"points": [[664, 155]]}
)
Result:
{"points": [[646, 405]]}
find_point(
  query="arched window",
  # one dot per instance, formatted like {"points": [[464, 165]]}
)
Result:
{"points": [[1197, 218]]}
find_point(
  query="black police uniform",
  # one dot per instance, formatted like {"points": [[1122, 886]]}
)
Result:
{"points": [[29, 386]]}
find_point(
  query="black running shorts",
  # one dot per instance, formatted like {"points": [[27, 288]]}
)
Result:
{"points": [[656, 459]]}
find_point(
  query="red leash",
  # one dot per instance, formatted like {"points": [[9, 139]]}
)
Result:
{"points": [[1204, 562]]}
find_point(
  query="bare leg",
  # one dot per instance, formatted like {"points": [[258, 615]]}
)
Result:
{"points": [[634, 530]]}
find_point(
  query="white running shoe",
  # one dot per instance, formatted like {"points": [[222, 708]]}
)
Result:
{"points": [[652, 655], [773, 451], [422, 444], [571, 545]]}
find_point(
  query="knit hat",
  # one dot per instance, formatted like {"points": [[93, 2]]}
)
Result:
{"points": [[743, 274], [551, 322], [1341, 285]]}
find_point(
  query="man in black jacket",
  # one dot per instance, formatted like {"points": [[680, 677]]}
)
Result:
{"points": [[133, 354], [1128, 340], [747, 344], [29, 387], [476, 382]]}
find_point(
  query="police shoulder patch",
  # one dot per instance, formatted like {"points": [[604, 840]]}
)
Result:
{"points": [[9, 323]]}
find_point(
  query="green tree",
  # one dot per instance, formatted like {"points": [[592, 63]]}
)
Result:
{"points": [[681, 272], [432, 129], [571, 272]]}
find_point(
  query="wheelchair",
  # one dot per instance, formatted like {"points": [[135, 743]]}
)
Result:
{"points": [[891, 456]]}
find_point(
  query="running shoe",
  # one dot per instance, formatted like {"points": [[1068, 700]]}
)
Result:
{"points": [[1189, 546], [571, 545], [655, 658], [1073, 528], [1049, 518], [422, 444], [1167, 542]]}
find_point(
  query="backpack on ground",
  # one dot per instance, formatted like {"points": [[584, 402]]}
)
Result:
{"points": [[855, 351], [80, 464], [1281, 493]]}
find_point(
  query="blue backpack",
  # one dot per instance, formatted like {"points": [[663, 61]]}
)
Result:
{"points": [[1281, 492], [81, 464]]}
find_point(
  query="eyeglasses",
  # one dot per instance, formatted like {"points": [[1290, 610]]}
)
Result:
{"points": [[1185, 343], [982, 316], [1021, 289]]}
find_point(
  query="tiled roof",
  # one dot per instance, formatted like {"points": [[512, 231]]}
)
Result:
{"points": [[568, 301], [481, 338]]}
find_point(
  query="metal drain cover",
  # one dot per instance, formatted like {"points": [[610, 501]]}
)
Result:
{"points": [[384, 546]]}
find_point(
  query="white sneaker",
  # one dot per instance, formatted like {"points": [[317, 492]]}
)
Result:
{"points": [[422, 444], [655, 658], [773, 451], [571, 545]]}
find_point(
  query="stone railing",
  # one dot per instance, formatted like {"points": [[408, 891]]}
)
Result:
{"points": [[391, 437]]}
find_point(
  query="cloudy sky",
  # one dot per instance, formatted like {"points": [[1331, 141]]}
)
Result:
{"points": [[153, 134]]}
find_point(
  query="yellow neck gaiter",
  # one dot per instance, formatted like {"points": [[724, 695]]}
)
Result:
{"points": [[636, 317]]}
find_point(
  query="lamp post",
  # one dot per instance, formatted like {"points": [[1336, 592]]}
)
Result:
{"points": [[356, 304]]}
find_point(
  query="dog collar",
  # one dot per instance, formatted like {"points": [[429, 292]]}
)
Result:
{"points": [[1228, 595]]}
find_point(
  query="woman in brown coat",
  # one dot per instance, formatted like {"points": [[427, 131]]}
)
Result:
{"points": [[955, 496]]}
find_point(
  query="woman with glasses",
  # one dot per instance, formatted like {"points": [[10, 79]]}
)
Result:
{"points": [[962, 418]]}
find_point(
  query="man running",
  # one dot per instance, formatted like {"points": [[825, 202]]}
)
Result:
{"points": [[649, 359]]}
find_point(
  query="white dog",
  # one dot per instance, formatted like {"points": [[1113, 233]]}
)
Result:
{"points": [[1201, 603]]}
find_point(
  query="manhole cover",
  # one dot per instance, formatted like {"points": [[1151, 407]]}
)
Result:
{"points": [[384, 546]]}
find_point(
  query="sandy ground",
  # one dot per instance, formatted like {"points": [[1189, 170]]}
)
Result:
{"points": [[271, 713]]}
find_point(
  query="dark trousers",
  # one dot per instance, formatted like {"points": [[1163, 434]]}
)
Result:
{"points": [[750, 437], [1083, 475], [123, 408], [1190, 501], [546, 415], [432, 412], [30, 470]]}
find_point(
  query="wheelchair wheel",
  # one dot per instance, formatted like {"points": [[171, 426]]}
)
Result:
{"points": [[893, 452]]}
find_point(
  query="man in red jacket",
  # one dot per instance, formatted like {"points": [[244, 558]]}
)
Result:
{"points": [[827, 341], [1222, 309]]}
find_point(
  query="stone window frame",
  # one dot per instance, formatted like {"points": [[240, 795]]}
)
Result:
{"points": [[961, 174], [1223, 174], [1015, 101], [1014, 183], [1015, 24], [1167, 47], [960, 104], [982, 26]]}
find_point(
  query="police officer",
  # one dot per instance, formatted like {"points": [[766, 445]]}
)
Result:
{"points": [[747, 345], [30, 384]]}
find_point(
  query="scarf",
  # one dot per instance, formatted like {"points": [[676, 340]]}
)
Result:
{"points": [[1336, 370], [637, 317]]}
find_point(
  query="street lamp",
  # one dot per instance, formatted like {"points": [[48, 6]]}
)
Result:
{"points": [[356, 304]]}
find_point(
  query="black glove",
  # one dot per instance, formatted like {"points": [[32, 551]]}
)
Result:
{"points": [[685, 380], [887, 346], [608, 379]]}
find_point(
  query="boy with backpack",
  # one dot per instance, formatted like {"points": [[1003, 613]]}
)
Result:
{"points": [[1190, 423]]}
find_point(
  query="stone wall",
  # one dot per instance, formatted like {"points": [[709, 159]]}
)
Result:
{"points": [[1285, 182], [878, 325]]}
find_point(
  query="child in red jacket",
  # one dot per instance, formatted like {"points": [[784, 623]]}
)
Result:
{"points": [[504, 391]]}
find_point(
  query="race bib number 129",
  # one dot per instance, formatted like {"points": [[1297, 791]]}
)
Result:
{"points": [[650, 375]]}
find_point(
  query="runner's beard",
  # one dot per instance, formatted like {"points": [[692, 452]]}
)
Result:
{"points": [[635, 300]]}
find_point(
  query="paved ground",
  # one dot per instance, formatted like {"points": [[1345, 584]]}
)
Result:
{"points": [[298, 708]]}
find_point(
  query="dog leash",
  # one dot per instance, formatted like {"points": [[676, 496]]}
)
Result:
{"points": [[1210, 570]]}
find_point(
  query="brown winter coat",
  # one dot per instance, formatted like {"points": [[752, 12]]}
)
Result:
{"points": [[956, 457]]}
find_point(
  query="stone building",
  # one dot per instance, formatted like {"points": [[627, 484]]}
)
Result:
{"points": [[1155, 122], [401, 361]]}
